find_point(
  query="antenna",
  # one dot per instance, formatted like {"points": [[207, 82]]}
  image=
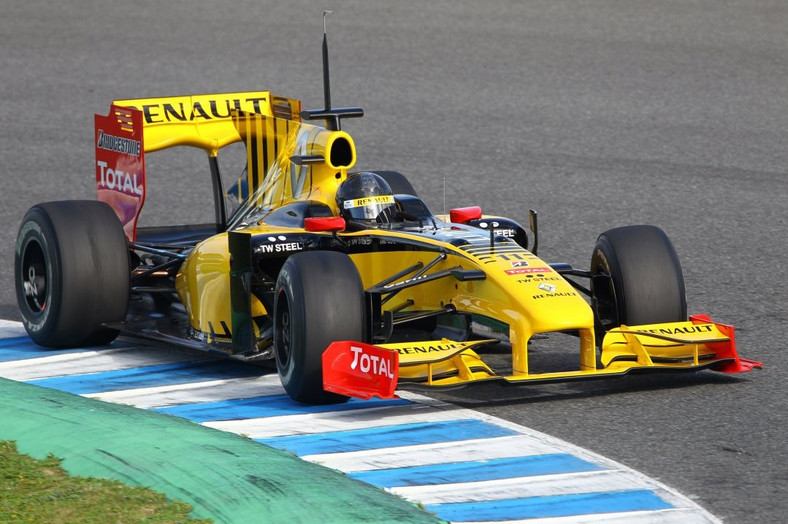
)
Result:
{"points": [[332, 117], [326, 78], [444, 198]]}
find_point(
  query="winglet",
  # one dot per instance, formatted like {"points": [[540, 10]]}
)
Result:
{"points": [[360, 370]]}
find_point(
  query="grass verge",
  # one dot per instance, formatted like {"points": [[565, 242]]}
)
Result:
{"points": [[39, 491]]}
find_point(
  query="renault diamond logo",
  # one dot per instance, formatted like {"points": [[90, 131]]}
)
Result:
{"points": [[544, 286]]}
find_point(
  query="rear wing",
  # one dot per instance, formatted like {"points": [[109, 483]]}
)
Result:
{"points": [[137, 126], [204, 121]]}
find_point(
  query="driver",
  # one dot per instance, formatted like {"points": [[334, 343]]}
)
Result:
{"points": [[366, 197]]}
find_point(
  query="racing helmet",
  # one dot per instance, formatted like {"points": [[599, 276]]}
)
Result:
{"points": [[366, 196]]}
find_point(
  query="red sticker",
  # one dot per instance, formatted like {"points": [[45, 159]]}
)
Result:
{"points": [[524, 270]]}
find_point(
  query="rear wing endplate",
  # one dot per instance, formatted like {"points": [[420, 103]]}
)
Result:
{"points": [[120, 165]]}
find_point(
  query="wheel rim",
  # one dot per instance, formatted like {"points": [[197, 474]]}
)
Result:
{"points": [[283, 326], [34, 277]]}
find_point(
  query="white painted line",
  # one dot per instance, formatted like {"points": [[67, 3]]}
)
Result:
{"points": [[520, 487], [194, 392], [313, 423], [431, 454], [664, 516], [84, 362], [11, 329]]}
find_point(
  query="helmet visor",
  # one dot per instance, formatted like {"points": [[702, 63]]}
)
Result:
{"points": [[367, 208]]}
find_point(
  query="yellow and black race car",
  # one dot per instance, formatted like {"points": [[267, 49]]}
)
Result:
{"points": [[346, 279]]}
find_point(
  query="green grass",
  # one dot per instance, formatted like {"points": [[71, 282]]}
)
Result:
{"points": [[40, 491]]}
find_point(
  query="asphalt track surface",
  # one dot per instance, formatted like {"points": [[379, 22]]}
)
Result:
{"points": [[597, 114]]}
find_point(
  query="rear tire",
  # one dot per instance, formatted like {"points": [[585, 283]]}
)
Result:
{"points": [[636, 280], [71, 273], [319, 299]]}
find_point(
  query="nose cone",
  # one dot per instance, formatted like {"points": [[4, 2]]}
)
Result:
{"points": [[543, 298]]}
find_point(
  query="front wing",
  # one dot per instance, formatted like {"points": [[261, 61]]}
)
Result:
{"points": [[362, 370]]}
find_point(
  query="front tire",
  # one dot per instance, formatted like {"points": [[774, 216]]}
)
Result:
{"points": [[636, 279], [319, 299], [71, 273]]}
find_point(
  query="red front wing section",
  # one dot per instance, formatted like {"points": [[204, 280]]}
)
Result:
{"points": [[727, 349], [120, 165], [360, 370]]}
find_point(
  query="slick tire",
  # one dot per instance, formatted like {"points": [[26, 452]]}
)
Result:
{"points": [[399, 184], [636, 279], [318, 299], [71, 273]]}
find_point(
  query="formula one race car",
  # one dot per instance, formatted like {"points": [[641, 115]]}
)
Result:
{"points": [[346, 279]]}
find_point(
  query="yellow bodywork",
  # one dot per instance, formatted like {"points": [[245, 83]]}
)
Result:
{"points": [[681, 343], [203, 285], [289, 160], [440, 360], [271, 129], [514, 299], [209, 122]]}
